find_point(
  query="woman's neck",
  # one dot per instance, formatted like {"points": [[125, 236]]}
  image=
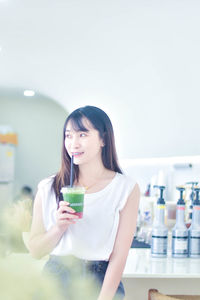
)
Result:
{"points": [[91, 172], [95, 179]]}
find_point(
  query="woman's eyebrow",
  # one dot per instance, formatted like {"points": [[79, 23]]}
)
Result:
{"points": [[85, 130], [67, 131]]}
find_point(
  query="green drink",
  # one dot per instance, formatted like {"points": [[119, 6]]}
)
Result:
{"points": [[75, 196]]}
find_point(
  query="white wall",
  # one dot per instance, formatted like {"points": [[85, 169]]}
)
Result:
{"points": [[38, 121], [139, 60]]}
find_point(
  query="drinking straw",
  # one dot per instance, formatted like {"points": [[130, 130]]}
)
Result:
{"points": [[72, 171]]}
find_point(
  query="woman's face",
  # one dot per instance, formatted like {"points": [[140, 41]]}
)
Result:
{"points": [[85, 146]]}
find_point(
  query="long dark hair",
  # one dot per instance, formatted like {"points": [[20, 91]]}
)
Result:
{"points": [[101, 122]]}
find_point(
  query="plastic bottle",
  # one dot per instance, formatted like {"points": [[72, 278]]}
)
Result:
{"points": [[159, 230], [180, 231], [189, 204], [194, 230]]}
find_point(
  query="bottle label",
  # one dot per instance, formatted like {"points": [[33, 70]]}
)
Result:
{"points": [[180, 208], [159, 244], [161, 206], [180, 245], [195, 245], [196, 207]]}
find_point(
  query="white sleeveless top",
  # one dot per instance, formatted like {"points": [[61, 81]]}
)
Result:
{"points": [[93, 236]]}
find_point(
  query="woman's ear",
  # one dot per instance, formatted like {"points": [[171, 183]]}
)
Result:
{"points": [[102, 143], [102, 140]]}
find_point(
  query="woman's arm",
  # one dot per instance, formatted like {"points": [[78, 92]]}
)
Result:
{"points": [[42, 242], [117, 261]]}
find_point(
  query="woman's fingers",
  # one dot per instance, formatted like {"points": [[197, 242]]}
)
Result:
{"points": [[63, 203], [66, 222], [64, 206], [63, 209], [65, 216]]}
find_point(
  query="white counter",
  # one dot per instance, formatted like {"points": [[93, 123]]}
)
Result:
{"points": [[140, 264], [168, 275]]}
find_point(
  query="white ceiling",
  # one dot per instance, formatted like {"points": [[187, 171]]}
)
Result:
{"points": [[125, 56]]}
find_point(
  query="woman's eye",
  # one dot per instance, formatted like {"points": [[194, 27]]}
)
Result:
{"points": [[82, 134], [68, 136]]}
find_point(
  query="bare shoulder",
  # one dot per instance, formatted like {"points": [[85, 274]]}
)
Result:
{"points": [[133, 198], [37, 221], [37, 207], [127, 224], [135, 191]]}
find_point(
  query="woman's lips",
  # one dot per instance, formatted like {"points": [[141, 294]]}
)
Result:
{"points": [[77, 154]]}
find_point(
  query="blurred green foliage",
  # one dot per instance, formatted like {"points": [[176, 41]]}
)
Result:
{"points": [[15, 219], [21, 276]]}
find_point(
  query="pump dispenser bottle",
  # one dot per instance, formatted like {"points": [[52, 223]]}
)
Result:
{"points": [[190, 200], [159, 230], [194, 230], [180, 231]]}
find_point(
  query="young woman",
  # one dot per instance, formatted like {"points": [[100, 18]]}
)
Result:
{"points": [[102, 238]]}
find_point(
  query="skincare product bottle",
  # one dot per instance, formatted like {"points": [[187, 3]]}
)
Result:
{"points": [[194, 230], [159, 230], [189, 201], [180, 231]]}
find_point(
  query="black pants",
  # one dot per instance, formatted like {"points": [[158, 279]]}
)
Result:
{"points": [[79, 279]]}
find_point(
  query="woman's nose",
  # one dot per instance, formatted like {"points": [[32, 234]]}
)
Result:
{"points": [[75, 143]]}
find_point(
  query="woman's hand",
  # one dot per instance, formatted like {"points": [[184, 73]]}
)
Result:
{"points": [[65, 216]]}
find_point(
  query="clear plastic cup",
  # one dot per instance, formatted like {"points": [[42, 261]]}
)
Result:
{"points": [[75, 196]]}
